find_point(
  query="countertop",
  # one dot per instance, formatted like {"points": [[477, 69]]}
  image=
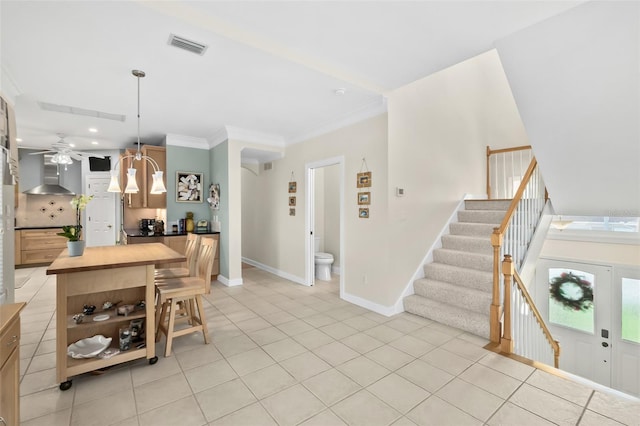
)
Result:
{"points": [[138, 233], [18, 228], [8, 312], [110, 257]]}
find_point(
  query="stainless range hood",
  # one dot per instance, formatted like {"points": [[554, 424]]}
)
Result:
{"points": [[51, 181]]}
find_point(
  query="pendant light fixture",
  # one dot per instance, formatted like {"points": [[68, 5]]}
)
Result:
{"points": [[157, 186]]}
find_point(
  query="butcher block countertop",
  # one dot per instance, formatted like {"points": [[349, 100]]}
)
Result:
{"points": [[111, 257]]}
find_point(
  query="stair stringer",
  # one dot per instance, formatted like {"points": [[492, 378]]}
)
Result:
{"points": [[398, 307]]}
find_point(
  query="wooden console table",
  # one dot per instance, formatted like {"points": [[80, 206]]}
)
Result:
{"points": [[114, 273]]}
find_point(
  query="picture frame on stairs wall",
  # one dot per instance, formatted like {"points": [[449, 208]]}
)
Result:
{"points": [[364, 180]]}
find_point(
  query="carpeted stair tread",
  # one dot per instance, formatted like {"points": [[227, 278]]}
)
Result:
{"points": [[481, 216], [466, 277], [462, 297], [472, 229], [464, 259], [452, 316], [481, 245], [487, 205]]}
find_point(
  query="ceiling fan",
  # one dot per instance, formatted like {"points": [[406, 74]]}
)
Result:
{"points": [[63, 153]]}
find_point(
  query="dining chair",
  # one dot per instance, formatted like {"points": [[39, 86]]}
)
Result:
{"points": [[189, 291], [190, 252]]}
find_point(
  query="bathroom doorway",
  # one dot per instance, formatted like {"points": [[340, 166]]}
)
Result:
{"points": [[325, 217]]}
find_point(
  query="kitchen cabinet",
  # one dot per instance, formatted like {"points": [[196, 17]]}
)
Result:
{"points": [[144, 179], [10, 363], [38, 245], [112, 273]]}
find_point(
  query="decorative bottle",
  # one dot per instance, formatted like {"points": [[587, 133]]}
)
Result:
{"points": [[189, 222]]}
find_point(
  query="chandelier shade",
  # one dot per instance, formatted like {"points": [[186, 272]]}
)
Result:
{"points": [[132, 186]]}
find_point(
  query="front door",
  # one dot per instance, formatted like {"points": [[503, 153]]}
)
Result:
{"points": [[626, 331], [100, 213], [577, 309]]}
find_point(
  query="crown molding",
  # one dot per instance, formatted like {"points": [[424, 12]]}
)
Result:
{"points": [[218, 137], [186, 141], [367, 111], [247, 135]]}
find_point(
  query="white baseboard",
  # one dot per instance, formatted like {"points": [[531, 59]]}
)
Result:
{"points": [[229, 283], [274, 271], [428, 258], [387, 311]]}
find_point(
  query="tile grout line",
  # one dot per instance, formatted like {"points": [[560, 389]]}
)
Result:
{"points": [[584, 409]]}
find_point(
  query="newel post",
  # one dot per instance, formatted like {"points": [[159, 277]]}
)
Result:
{"points": [[494, 315], [506, 344]]}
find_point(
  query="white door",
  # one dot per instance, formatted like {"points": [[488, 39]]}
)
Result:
{"points": [[100, 213], [626, 330], [577, 309]]}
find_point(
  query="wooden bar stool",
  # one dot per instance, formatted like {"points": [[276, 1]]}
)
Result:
{"points": [[191, 253], [189, 291]]}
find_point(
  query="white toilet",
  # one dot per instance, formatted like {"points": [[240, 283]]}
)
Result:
{"points": [[323, 262]]}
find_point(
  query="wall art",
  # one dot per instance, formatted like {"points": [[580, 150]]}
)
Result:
{"points": [[189, 187]]}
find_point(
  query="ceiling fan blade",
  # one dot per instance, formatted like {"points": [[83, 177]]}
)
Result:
{"points": [[87, 154], [42, 152], [75, 156]]}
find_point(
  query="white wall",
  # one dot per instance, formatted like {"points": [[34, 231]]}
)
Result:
{"points": [[280, 244], [439, 128], [319, 207], [576, 82], [332, 212]]}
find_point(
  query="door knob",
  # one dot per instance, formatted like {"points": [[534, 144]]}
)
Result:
{"points": [[605, 345], [109, 226]]}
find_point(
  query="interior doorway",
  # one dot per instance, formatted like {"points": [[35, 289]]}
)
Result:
{"points": [[313, 228], [100, 213]]}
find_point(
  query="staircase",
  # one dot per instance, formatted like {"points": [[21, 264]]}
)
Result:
{"points": [[457, 287]]}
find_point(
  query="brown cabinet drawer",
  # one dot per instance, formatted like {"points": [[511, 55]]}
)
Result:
{"points": [[40, 256], [9, 340], [40, 233], [43, 243]]}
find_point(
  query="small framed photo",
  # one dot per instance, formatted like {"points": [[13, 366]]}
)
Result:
{"points": [[364, 198], [292, 212], [189, 187], [292, 201], [363, 213], [293, 186], [364, 180]]}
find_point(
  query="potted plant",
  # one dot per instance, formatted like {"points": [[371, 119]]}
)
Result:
{"points": [[74, 232]]}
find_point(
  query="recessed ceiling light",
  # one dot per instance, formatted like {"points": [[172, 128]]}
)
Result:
{"points": [[94, 142], [93, 130], [72, 145], [341, 91], [18, 140]]}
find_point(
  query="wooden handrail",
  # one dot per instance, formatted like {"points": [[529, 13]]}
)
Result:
{"points": [[506, 344], [502, 150], [517, 197]]}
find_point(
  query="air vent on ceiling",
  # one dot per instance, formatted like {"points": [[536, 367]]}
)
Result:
{"points": [[80, 111], [268, 166], [190, 45]]}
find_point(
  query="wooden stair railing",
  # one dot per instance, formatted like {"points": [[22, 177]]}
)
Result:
{"points": [[504, 167], [511, 241], [522, 322]]}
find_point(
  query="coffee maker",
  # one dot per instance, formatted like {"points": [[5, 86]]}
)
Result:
{"points": [[147, 226]]}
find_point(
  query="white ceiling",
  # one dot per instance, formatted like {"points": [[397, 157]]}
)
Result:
{"points": [[271, 67]]}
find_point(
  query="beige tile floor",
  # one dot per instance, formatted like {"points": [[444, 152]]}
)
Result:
{"points": [[285, 354]]}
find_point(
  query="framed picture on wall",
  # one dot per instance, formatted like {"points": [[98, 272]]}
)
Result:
{"points": [[364, 180], [292, 201], [364, 198], [293, 186], [292, 211], [189, 187], [363, 213]]}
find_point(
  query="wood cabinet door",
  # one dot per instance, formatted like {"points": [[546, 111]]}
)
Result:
{"points": [[177, 243], [159, 155], [133, 201], [9, 390]]}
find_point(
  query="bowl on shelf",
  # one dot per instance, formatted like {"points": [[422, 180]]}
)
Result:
{"points": [[89, 347]]}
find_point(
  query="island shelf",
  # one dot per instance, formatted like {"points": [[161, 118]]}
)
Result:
{"points": [[114, 273]]}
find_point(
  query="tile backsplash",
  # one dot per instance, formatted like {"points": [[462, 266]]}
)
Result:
{"points": [[44, 210]]}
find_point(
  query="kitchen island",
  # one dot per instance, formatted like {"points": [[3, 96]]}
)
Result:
{"points": [[122, 275]]}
